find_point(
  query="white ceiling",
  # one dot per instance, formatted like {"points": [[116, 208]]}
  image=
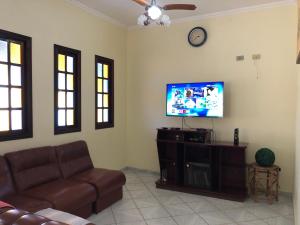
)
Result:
{"points": [[126, 11]]}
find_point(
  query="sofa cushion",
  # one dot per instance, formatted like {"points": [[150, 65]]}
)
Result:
{"points": [[65, 195], [26, 203], [104, 180], [73, 158], [33, 167], [6, 182]]}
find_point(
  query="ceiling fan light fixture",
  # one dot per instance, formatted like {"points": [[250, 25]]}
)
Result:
{"points": [[142, 20], [165, 20], [154, 12]]}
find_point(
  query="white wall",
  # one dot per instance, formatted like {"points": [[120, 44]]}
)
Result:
{"points": [[51, 22], [263, 108]]}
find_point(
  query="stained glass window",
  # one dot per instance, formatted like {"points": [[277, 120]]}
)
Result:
{"points": [[67, 90], [104, 92], [15, 86]]}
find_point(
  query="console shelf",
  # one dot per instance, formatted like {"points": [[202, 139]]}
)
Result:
{"points": [[191, 163]]}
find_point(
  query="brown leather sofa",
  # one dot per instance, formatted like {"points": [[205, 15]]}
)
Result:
{"points": [[76, 165], [10, 216], [61, 177]]}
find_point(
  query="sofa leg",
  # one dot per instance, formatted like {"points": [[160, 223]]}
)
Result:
{"points": [[108, 199]]}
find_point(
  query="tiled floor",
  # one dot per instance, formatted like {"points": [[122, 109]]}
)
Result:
{"points": [[143, 204]]}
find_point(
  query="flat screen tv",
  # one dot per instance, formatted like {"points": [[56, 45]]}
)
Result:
{"points": [[195, 99]]}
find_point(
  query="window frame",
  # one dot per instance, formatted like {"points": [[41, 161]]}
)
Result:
{"points": [[58, 49], [110, 63], [26, 86]]}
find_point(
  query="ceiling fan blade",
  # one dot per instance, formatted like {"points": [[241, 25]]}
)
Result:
{"points": [[180, 7], [141, 2]]}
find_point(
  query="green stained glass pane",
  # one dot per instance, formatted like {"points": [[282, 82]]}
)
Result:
{"points": [[99, 116], [70, 100], [105, 86], [16, 98], [4, 120], [3, 51], [61, 81], [61, 117], [4, 97], [61, 99], [70, 64], [99, 69], [3, 74], [105, 115], [15, 75], [16, 119]]}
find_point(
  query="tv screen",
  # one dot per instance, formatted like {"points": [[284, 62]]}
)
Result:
{"points": [[195, 99]]}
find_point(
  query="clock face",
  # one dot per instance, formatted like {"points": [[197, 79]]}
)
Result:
{"points": [[197, 36]]}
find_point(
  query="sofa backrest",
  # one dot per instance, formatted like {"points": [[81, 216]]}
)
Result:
{"points": [[6, 181], [33, 167], [73, 158]]}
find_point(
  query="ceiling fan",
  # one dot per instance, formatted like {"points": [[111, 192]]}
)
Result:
{"points": [[153, 12]]}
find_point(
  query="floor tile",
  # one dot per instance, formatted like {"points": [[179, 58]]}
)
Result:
{"points": [[202, 206], [124, 204], [146, 202], [154, 212], [282, 209], [225, 204], [161, 221], [130, 215], [190, 198], [193, 219], [170, 200], [262, 212], [133, 223], [140, 194], [104, 218], [179, 210], [126, 195], [136, 186], [255, 222], [215, 218], [279, 221], [240, 215]]}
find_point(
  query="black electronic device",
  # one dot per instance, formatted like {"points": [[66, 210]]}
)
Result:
{"points": [[236, 140]]}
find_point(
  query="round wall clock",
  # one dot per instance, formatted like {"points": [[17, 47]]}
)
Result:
{"points": [[197, 37]]}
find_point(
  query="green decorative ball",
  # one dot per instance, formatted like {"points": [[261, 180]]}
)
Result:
{"points": [[265, 157]]}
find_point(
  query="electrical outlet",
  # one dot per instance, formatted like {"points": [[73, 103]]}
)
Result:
{"points": [[256, 56], [240, 58]]}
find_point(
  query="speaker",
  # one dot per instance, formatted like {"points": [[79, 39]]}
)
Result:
{"points": [[236, 140]]}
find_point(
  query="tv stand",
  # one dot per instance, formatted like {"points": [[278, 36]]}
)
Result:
{"points": [[191, 162]]}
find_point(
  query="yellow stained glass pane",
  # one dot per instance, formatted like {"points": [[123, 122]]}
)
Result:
{"points": [[70, 82], [70, 117], [105, 100], [4, 120], [15, 53], [16, 98], [16, 119], [99, 116], [100, 85], [61, 117], [61, 99], [61, 62], [105, 71]]}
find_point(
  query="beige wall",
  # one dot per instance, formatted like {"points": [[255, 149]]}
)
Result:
{"points": [[263, 108], [297, 156], [51, 22]]}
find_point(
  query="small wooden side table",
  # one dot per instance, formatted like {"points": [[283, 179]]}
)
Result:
{"points": [[263, 180]]}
